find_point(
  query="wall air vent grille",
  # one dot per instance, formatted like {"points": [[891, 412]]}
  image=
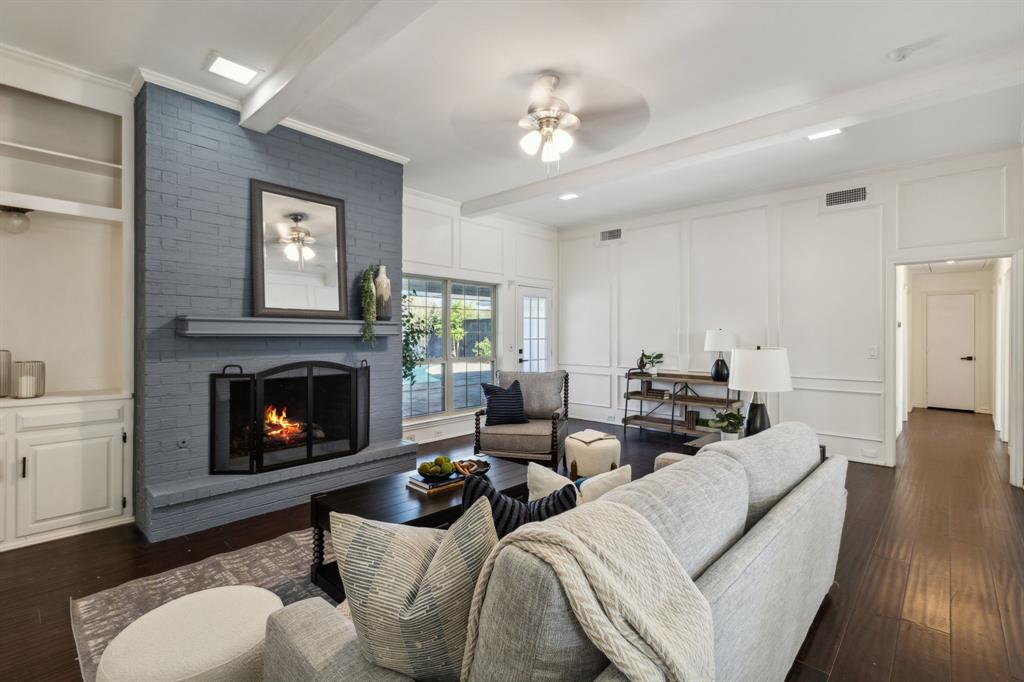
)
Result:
{"points": [[846, 196], [609, 235]]}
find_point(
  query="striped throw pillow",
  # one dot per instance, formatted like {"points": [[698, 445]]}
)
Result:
{"points": [[510, 513], [504, 405], [409, 589]]}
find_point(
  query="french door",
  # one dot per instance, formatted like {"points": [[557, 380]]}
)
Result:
{"points": [[534, 329]]}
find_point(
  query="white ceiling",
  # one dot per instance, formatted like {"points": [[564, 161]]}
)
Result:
{"points": [[447, 90], [957, 266]]}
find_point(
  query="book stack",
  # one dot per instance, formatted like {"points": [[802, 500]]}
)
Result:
{"points": [[417, 483]]}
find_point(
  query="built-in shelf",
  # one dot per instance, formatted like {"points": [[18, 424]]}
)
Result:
{"points": [[76, 209], [683, 399], [277, 326], [82, 164]]}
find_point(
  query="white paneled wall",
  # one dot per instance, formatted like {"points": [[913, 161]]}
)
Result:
{"points": [[781, 269], [438, 242]]}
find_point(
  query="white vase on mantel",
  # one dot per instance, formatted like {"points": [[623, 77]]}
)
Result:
{"points": [[382, 285]]}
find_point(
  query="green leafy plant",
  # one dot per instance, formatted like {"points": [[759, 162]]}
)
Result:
{"points": [[368, 298], [416, 327], [483, 348], [652, 360], [456, 329], [729, 421]]}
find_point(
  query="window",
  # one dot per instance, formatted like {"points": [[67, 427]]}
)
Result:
{"points": [[453, 325]]}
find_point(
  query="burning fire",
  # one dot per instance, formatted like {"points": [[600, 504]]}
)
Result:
{"points": [[279, 426]]}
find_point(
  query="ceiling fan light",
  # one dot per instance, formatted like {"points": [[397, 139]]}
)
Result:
{"points": [[291, 252], [531, 142], [549, 154], [308, 253], [562, 140]]}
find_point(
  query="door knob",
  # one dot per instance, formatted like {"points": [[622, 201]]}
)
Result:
{"points": [[967, 357]]}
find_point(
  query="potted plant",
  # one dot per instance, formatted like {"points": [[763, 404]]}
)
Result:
{"points": [[730, 423], [648, 363]]}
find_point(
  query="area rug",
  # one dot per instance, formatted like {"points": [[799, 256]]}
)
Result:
{"points": [[280, 565]]}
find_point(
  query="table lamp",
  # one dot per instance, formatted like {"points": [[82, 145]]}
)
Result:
{"points": [[716, 340], [759, 370]]}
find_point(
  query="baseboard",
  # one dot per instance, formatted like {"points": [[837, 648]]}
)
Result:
{"points": [[430, 431], [47, 536]]}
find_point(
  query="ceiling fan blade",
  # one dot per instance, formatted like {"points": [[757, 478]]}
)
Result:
{"points": [[604, 128], [526, 123]]}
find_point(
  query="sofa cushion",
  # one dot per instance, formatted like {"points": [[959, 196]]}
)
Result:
{"points": [[409, 589], [541, 481], [542, 391], [510, 513], [533, 437], [775, 461], [698, 506], [504, 405]]}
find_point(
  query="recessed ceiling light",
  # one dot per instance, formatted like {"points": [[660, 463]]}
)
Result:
{"points": [[226, 68], [824, 133], [569, 196], [951, 262]]}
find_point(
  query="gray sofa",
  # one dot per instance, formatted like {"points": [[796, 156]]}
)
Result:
{"points": [[755, 522]]}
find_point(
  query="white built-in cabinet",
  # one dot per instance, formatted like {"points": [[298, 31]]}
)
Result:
{"points": [[66, 298]]}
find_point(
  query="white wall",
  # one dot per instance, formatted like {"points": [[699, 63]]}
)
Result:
{"points": [[437, 241], [980, 283], [1001, 344], [779, 269]]}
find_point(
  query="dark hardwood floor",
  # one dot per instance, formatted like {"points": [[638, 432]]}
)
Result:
{"points": [[930, 581]]}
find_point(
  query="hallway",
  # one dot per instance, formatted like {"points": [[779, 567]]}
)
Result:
{"points": [[930, 582]]}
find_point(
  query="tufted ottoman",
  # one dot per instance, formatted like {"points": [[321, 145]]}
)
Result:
{"points": [[589, 453], [214, 634]]}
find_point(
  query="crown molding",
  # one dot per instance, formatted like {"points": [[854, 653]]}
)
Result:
{"points": [[427, 196], [27, 57], [147, 76]]}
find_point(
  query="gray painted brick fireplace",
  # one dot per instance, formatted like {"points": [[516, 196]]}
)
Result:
{"points": [[193, 166]]}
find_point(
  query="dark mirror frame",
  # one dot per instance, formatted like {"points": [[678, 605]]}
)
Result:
{"points": [[256, 190]]}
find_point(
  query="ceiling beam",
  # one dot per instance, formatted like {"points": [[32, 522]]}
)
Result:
{"points": [[992, 70], [352, 31]]}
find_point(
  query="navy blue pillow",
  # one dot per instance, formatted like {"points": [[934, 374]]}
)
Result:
{"points": [[509, 513], [504, 405]]}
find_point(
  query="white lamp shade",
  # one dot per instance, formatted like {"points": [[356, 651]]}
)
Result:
{"points": [[762, 370], [716, 340]]}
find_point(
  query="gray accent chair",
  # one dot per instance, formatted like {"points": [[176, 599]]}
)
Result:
{"points": [[542, 439]]}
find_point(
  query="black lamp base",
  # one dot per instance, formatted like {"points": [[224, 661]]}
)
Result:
{"points": [[757, 419], [720, 370]]}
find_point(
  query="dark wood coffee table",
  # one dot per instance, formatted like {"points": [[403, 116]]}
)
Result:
{"points": [[388, 499]]}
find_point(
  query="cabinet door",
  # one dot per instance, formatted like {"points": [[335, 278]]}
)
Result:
{"points": [[68, 477]]}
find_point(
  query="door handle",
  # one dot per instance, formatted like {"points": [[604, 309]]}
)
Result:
{"points": [[24, 461], [967, 357]]}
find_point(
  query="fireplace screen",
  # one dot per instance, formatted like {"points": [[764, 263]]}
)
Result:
{"points": [[287, 415]]}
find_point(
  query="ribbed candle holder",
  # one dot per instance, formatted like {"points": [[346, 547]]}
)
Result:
{"points": [[5, 373], [28, 380]]}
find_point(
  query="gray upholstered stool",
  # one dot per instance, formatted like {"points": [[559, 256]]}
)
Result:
{"points": [[214, 635]]}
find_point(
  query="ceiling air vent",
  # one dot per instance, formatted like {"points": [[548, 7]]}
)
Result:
{"points": [[609, 235], [846, 196]]}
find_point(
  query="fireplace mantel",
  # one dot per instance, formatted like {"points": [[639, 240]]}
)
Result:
{"points": [[188, 325]]}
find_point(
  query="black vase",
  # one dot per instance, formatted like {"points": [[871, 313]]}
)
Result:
{"points": [[720, 370]]}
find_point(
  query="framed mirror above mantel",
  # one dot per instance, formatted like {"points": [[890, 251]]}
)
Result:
{"points": [[298, 253]]}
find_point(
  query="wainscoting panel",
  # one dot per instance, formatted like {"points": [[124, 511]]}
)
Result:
{"points": [[428, 237], [584, 329], [480, 247], [536, 257], [952, 209], [831, 290], [590, 388], [648, 305]]}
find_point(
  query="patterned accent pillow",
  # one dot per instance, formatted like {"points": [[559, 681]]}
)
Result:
{"points": [[510, 513], [504, 405], [409, 589]]}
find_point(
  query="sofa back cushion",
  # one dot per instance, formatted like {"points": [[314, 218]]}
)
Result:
{"points": [[775, 461], [527, 627], [542, 391], [697, 506]]}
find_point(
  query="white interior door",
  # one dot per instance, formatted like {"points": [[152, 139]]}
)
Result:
{"points": [[950, 349], [534, 322]]}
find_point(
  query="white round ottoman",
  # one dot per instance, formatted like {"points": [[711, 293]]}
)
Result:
{"points": [[593, 458], [214, 634]]}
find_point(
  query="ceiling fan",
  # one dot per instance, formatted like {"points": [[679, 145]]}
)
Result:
{"points": [[549, 121], [296, 240]]}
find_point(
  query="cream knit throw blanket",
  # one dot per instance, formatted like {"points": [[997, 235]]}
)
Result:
{"points": [[626, 589]]}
